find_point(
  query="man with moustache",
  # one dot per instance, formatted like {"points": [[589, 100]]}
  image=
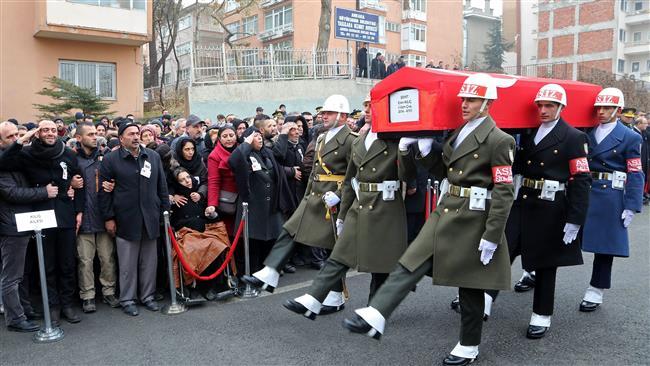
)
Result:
{"points": [[131, 213]]}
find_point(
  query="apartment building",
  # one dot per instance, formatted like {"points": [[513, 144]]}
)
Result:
{"points": [[477, 24], [92, 43], [608, 35], [419, 30]]}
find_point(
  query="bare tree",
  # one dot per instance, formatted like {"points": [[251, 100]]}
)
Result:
{"points": [[165, 28]]}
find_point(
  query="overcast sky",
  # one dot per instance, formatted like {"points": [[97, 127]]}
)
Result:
{"points": [[496, 4]]}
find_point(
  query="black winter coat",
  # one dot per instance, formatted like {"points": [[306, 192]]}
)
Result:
{"points": [[16, 196], [93, 221], [57, 168], [290, 155], [137, 202]]}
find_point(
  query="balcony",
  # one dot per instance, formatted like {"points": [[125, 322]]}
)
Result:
{"points": [[92, 23], [414, 14], [371, 4], [637, 48], [637, 17], [268, 3], [276, 33]]}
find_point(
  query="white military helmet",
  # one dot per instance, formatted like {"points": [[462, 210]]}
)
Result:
{"points": [[479, 85], [610, 97], [552, 93], [336, 103]]}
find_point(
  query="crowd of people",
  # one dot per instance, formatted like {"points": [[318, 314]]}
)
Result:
{"points": [[323, 191]]}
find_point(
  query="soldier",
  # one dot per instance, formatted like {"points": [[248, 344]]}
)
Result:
{"points": [[627, 116], [374, 218], [462, 244], [311, 224], [550, 207], [616, 193]]}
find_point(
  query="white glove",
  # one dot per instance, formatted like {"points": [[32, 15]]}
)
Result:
{"points": [[405, 142], [627, 217], [487, 249], [331, 199], [424, 145], [339, 227], [570, 232]]}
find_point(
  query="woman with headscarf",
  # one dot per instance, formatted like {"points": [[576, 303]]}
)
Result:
{"points": [[190, 159], [222, 188], [262, 183], [210, 141], [240, 126]]}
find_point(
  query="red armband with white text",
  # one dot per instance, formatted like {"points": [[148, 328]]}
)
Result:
{"points": [[634, 165], [502, 174], [578, 165]]}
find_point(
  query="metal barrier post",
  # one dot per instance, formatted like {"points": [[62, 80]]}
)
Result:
{"points": [[49, 333], [175, 307], [249, 292], [429, 197], [436, 193]]}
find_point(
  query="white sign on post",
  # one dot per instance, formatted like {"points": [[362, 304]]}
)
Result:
{"points": [[405, 106], [37, 220]]}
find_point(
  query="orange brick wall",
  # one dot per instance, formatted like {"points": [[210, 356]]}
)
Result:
{"points": [[563, 46], [564, 17], [542, 48], [542, 21], [595, 41], [597, 11]]}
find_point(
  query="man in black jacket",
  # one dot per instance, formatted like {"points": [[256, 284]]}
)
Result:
{"points": [[362, 61], [15, 197], [132, 214], [93, 237], [47, 161]]}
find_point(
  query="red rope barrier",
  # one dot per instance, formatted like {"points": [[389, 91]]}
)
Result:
{"points": [[188, 268]]}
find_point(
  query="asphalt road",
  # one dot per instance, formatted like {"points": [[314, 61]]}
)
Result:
{"points": [[423, 329]]}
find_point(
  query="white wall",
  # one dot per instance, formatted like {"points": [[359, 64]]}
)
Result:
{"points": [[528, 39], [61, 12]]}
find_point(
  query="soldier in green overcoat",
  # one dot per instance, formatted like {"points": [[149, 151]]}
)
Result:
{"points": [[462, 244], [311, 223]]}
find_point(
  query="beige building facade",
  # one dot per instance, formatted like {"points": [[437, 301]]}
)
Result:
{"points": [[93, 43]]}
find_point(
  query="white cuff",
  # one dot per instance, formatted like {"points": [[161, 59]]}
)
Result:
{"points": [[373, 317], [464, 351], [488, 304], [309, 302], [268, 275], [594, 295], [334, 298], [540, 320]]}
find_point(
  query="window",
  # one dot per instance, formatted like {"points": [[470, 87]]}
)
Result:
{"points": [[96, 76], [638, 5], [621, 35], [636, 37], [184, 48], [168, 78], [635, 66], [393, 27], [184, 74], [418, 32], [278, 18], [231, 5], [184, 22], [623, 5], [249, 25], [621, 65], [416, 5], [413, 60], [233, 27], [117, 4]]}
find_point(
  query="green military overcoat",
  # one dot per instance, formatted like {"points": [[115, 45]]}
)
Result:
{"points": [[309, 224], [453, 232], [374, 230]]}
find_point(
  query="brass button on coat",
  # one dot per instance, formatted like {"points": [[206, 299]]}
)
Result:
{"points": [[555, 152], [475, 156], [528, 162], [446, 210], [524, 196]]}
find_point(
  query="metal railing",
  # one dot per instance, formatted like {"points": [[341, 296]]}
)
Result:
{"points": [[556, 70], [221, 64]]}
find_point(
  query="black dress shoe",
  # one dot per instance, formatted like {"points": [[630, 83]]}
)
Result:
{"points": [[289, 268], [130, 310], [158, 296], [525, 284], [318, 265], [24, 326], [33, 315], [257, 283], [55, 317], [536, 332], [455, 305], [588, 306], [299, 308], [70, 315], [452, 360], [152, 305], [358, 325], [327, 309], [89, 306]]}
